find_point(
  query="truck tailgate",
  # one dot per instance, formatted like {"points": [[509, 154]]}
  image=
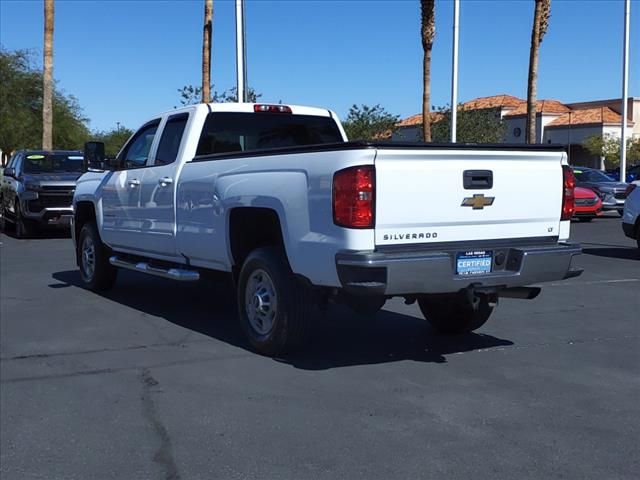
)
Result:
{"points": [[421, 197]]}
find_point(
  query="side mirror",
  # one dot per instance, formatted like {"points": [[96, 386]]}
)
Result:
{"points": [[9, 172], [94, 157]]}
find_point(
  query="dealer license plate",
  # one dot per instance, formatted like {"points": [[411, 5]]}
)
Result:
{"points": [[474, 262]]}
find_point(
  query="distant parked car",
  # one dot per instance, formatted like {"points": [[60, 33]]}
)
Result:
{"points": [[633, 173], [631, 215], [587, 204], [37, 189], [611, 192]]}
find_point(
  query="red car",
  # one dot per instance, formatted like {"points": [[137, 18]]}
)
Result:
{"points": [[588, 204]]}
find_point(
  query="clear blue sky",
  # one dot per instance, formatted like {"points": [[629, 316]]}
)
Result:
{"points": [[125, 60]]}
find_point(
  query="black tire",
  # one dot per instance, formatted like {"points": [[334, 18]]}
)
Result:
{"points": [[24, 227], [285, 327], [453, 313], [3, 221], [96, 272], [585, 219]]}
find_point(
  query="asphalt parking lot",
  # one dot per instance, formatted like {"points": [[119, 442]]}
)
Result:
{"points": [[154, 381]]}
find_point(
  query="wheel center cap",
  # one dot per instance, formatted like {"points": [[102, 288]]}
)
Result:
{"points": [[257, 302]]}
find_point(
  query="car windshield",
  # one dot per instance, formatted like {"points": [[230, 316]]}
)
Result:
{"points": [[592, 176], [52, 163]]}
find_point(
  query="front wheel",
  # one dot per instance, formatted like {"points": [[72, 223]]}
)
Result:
{"points": [[3, 222], [96, 272], [276, 309], [456, 313], [24, 228]]}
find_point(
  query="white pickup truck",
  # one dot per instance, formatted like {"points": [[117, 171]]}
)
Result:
{"points": [[276, 196]]}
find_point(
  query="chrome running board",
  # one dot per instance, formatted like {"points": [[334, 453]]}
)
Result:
{"points": [[180, 274]]}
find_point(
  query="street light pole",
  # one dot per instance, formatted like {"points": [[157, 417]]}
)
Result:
{"points": [[625, 90], [454, 73], [241, 62]]}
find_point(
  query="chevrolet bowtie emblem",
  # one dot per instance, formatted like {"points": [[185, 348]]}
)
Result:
{"points": [[478, 201]]}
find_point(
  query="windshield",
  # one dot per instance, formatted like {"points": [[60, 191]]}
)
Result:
{"points": [[52, 163], [592, 176]]}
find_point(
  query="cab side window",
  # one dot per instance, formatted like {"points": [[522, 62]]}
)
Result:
{"points": [[171, 138], [13, 161], [137, 152]]}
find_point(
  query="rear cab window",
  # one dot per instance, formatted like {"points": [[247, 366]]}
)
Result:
{"points": [[226, 132], [171, 139]]}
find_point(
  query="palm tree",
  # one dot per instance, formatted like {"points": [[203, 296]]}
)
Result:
{"points": [[206, 51], [47, 86], [428, 30], [541, 16]]}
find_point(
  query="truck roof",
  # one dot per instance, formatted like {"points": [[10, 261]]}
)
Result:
{"points": [[249, 108]]}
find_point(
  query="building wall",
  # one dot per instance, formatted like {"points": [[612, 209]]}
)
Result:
{"points": [[574, 135], [542, 120], [513, 123], [616, 131]]}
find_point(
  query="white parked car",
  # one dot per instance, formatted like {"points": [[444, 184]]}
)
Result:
{"points": [[631, 213], [276, 196]]}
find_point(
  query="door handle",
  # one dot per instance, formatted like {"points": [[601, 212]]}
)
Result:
{"points": [[164, 181], [134, 183]]}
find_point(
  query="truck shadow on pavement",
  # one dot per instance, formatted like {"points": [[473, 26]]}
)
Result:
{"points": [[342, 338], [624, 253], [43, 234]]}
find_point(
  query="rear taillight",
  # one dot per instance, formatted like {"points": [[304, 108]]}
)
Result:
{"points": [[630, 188], [354, 197], [568, 186], [272, 109]]}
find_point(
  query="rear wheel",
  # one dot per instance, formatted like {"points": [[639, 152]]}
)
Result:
{"points": [[456, 313], [276, 309], [96, 272]]}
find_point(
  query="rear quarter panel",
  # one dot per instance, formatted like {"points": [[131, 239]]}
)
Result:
{"points": [[298, 187]]}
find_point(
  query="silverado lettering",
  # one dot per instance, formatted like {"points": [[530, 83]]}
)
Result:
{"points": [[412, 236]]}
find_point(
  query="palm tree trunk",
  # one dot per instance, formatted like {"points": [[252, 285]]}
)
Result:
{"points": [[47, 86], [206, 51], [428, 33], [426, 96], [540, 23]]}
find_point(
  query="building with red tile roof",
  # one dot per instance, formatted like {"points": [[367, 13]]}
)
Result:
{"points": [[556, 122]]}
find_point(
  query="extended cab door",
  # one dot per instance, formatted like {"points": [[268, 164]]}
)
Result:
{"points": [[121, 204], [158, 189]]}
